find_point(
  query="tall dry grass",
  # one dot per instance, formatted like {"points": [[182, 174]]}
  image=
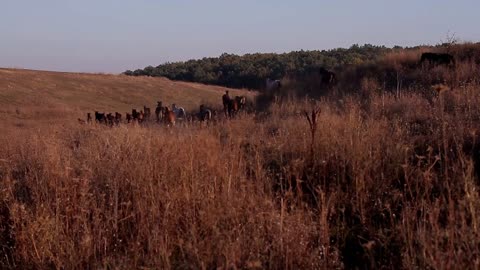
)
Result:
{"points": [[393, 183]]}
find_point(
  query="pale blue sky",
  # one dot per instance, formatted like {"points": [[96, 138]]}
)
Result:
{"points": [[115, 35]]}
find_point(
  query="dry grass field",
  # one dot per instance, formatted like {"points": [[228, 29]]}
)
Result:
{"points": [[391, 180], [35, 98]]}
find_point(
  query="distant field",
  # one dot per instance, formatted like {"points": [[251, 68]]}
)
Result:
{"points": [[42, 96]]}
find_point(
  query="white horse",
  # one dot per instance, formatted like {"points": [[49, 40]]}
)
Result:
{"points": [[179, 112], [205, 114], [273, 84]]}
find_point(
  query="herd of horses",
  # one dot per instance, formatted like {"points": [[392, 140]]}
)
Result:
{"points": [[169, 116]]}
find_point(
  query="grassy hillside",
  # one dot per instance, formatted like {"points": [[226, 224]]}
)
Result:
{"points": [[42, 96]]}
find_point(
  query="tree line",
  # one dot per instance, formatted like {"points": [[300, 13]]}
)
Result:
{"points": [[251, 70]]}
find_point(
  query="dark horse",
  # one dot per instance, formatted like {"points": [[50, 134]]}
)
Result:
{"points": [[327, 77], [437, 58], [100, 117]]}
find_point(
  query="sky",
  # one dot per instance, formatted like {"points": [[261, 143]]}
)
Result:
{"points": [[112, 36]]}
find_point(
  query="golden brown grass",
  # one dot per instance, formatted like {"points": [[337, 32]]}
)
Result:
{"points": [[393, 183]]}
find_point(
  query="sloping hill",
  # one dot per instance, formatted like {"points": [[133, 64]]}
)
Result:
{"points": [[43, 95]]}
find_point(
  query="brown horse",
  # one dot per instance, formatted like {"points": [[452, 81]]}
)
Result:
{"points": [[110, 119], [169, 116], [138, 116], [147, 112], [159, 111], [118, 118], [141, 117], [226, 101]]}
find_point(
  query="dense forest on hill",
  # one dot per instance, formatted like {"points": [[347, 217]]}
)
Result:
{"points": [[391, 67], [250, 70]]}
